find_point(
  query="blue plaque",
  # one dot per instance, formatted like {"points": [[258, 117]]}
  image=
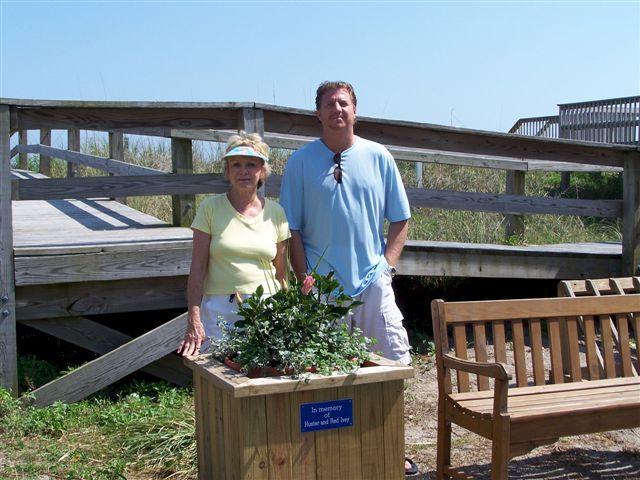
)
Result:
{"points": [[326, 415]]}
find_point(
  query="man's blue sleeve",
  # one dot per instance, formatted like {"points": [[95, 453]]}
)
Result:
{"points": [[396, 202], [292, 193]]}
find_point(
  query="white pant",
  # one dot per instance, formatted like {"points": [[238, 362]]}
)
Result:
{"points": [[380, 318], [214, 309]]}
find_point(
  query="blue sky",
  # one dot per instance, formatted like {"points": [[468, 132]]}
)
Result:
{"points": [[471, 64]]}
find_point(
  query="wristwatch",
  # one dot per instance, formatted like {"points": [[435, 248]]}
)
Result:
{"points": [[392, 271]]}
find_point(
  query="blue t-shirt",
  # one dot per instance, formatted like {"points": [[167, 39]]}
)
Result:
{"points": [[342, 224]]}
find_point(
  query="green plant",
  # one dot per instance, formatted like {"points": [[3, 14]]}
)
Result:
{"points": [[297, 328]]}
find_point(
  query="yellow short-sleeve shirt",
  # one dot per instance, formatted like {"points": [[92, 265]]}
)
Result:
{"points": [[242, 248]]}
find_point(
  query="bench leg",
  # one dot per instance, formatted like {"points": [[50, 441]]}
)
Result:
{"points": [[444, 445], [500, 448]]}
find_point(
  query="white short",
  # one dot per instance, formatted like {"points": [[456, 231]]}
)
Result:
{"points": [[381, 318], [216, 308]]}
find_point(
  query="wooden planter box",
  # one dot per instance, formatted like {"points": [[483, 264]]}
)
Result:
{"points": [[252, 428]]}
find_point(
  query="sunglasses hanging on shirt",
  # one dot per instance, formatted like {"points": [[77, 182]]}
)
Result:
{"points": [[337, 171]]}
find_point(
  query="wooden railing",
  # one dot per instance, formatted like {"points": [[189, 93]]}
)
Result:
{"points": [[287, 128], [613, 120]]}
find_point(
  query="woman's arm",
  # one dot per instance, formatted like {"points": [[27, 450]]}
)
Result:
{"points": [[194, 336], [280, 263]]}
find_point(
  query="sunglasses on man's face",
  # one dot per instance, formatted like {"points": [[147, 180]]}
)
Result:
{"points": [[337, 171]]}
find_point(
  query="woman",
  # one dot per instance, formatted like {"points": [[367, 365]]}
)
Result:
{"points": [[239, 242]]}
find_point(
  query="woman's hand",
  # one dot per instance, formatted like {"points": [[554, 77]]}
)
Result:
{"points": [[193, 338]]}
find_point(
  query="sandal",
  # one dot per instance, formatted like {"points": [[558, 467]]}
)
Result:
{"points": [[413, 469]]}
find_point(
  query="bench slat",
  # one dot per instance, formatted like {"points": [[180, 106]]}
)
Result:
{"points": [[518, 353], [460, 345], [487, 310], [480, 347], [499, 342], [546, 397], [535, 334], [607, 346], [625, 352], [553, 326], [593, 365], [574, 350]]}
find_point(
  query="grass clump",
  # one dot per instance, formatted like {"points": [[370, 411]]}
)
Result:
{"points": [[146, 428]]}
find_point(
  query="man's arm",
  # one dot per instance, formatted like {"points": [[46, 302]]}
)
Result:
{"points": [[297, 255], [396, 238]]}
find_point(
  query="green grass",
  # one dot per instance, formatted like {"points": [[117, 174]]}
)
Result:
{"points": [[147, 429]]}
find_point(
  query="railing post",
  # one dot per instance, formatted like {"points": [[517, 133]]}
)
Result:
{"points": [[8, 354], [183, 206], [73, 144], [419, 174], [23, 158], [631, 214], [251, 120], [514, 186], [45, 161], [116, 151]]}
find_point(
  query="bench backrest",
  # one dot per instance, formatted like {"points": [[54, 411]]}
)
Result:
{"points": [[536, 358]]}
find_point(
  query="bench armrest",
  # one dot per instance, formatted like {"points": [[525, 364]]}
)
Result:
{"points": [[490, 369]]}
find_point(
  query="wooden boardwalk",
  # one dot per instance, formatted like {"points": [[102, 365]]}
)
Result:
{"points": [[101, 243], [66, 252]]}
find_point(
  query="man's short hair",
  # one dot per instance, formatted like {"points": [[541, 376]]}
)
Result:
{"points": [[327, 85]]}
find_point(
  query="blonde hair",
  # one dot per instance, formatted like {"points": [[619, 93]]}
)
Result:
{"points": [[253, 140]]}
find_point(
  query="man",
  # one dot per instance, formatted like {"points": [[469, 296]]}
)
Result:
{"points": [[337, 192]]}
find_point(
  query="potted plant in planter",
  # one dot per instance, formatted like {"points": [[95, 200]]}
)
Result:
{"points": [[297, 330], [339, 422]]}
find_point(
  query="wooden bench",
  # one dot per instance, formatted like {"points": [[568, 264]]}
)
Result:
{"points": [[540, 406]]}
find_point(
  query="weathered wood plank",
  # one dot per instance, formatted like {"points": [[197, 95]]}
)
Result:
{"points": [[631, 215], [109, 368], [327, 442], [23, 160], [101, 339], [485, 310], [278, 413], [372, 433], [512, 204], [418, 155], [254, 439], [112, 118], [102, 266], [183, 206], [109, 165], [449, 259], [303, 452], [45, 160], [393, 418], [131, 186], [450, 139], [514, 186], [73, 145], [8, 354], [350, 447]]}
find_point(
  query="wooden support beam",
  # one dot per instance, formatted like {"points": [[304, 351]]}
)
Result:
{"points": [[73, 145], [130, 186], [107, 265], [23, 160], [45, 160], [183, 206], [96, 298], [8, 355], [101, 339], [515, 186], [631, 215], [109, 165], [116, 151], [111, 367]]}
